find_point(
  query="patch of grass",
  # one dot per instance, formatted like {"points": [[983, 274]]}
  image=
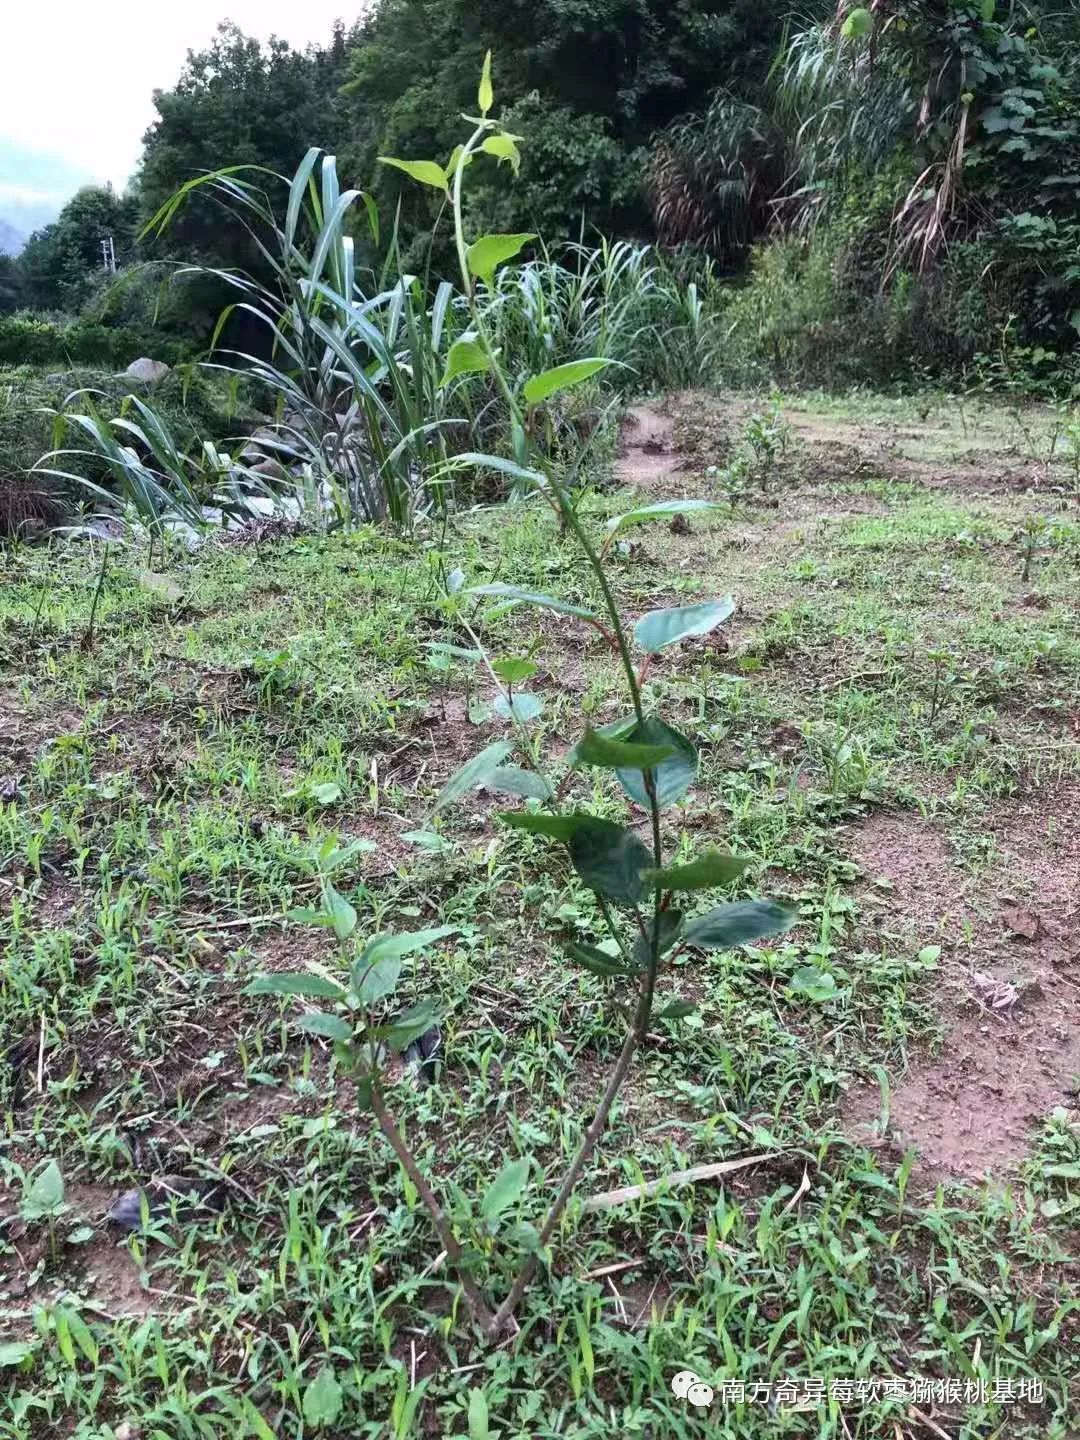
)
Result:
{"points": [[164, 793]]}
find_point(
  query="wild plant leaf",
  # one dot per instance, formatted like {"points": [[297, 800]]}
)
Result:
{"points": [[660, 511], [485, 95], [342, 915], [672, 777], [609, 859], [472, 459], [467, 356], [330, 1027], [384, 946], [597, 749], [479, 1423], [664, 627], [677, 1010], [14, 1352], [45, 1193], [455, 652], [411, 1024], [522, 707], [161, 585], [505, 148], [598, 961], [813, 983], [512, 670], [506, 1189], [376, 976], [669, 928], [556, 827], [710, 869], [473, 773], [549, 382], [311, 987], [531, 597], [323, 1399], [484, 256], [427, 172], [525, 784], [859, 22], [737, 924]]}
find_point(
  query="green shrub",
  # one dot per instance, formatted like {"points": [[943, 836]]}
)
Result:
{"points": [[30, 341]]}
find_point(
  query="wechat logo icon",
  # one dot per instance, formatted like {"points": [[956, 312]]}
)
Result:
{"points": [[689, 1386]]}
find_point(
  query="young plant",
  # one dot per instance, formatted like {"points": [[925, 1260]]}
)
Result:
{"points": [[638, 891]]}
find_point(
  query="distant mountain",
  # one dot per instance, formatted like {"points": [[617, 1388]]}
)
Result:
{"points": [[11, 240], [33, 189]]}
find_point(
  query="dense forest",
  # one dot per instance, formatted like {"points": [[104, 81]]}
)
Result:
{"points": [[889, 190]]}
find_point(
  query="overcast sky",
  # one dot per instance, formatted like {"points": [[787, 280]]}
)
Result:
{"points": [[76, 77]]}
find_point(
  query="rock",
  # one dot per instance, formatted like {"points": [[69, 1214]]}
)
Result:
{"points": [[189, 1196], [145, 369]]}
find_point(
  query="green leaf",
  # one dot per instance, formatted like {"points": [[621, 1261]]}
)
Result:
{"points": [[467, 356], [526, 784], [596, 749], [342, 915], [376, 977], [14, 1352], [598, 961], [562, 377], [427, 172], [731, 925], [473, 773], [504, 148], [522, 707], [486, 96], [426, 840], [987, 10], [858, 23], [161, 586], [312, 987], [663, 627], [472, 459], [82, 1335], [45, 1192], [708, 870], [506, 1189], [512, 670], [323, 1399], [411, 1024], [673, 776], [645, 513], [531, 597], [557, 827], [670, 928], [484, 256], [330, 1027], [478, 1416], [325, 793], [609, 859], [813, 983], [677, 1010]]}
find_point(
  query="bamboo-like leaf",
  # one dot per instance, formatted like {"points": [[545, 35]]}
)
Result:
{"points": [[562, 377], [506, 1189], [532, 597], [598, 961], [486, 96], [312, 987], [660, 511], [474, 773]]}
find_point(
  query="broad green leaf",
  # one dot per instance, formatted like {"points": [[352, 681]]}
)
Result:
{"points": [[562, 377], [375, 977], [503, 147], [677, 1010], [330, 1027], [456, 652], [708, 870], [672, 777], [987, 10], [859, 22], [46, 1190], [342, 915], [411, 1024], [325, 793], [663, 627], [596, 749], [526, 784], [323, 1399], [426, 840], [669, 929], [598, 961], [609, 859], [522, 707], [478, 1416], [484, 256], [408, 944], [736, 924], [506, 1189], [472, 459], [645, 513], [556, 827], [14, 1352], [513, 670], [82, 1334], [306, 915], [312, 987], [467, 356], [160, 585], [473, 774], [813, 983], [532, 597], [427, 172], [486, 96]]}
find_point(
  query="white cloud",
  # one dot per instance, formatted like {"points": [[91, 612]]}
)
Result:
{"points": [[76, 78]]}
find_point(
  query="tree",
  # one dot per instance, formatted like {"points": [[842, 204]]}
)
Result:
{"points": [[59, 264]]}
